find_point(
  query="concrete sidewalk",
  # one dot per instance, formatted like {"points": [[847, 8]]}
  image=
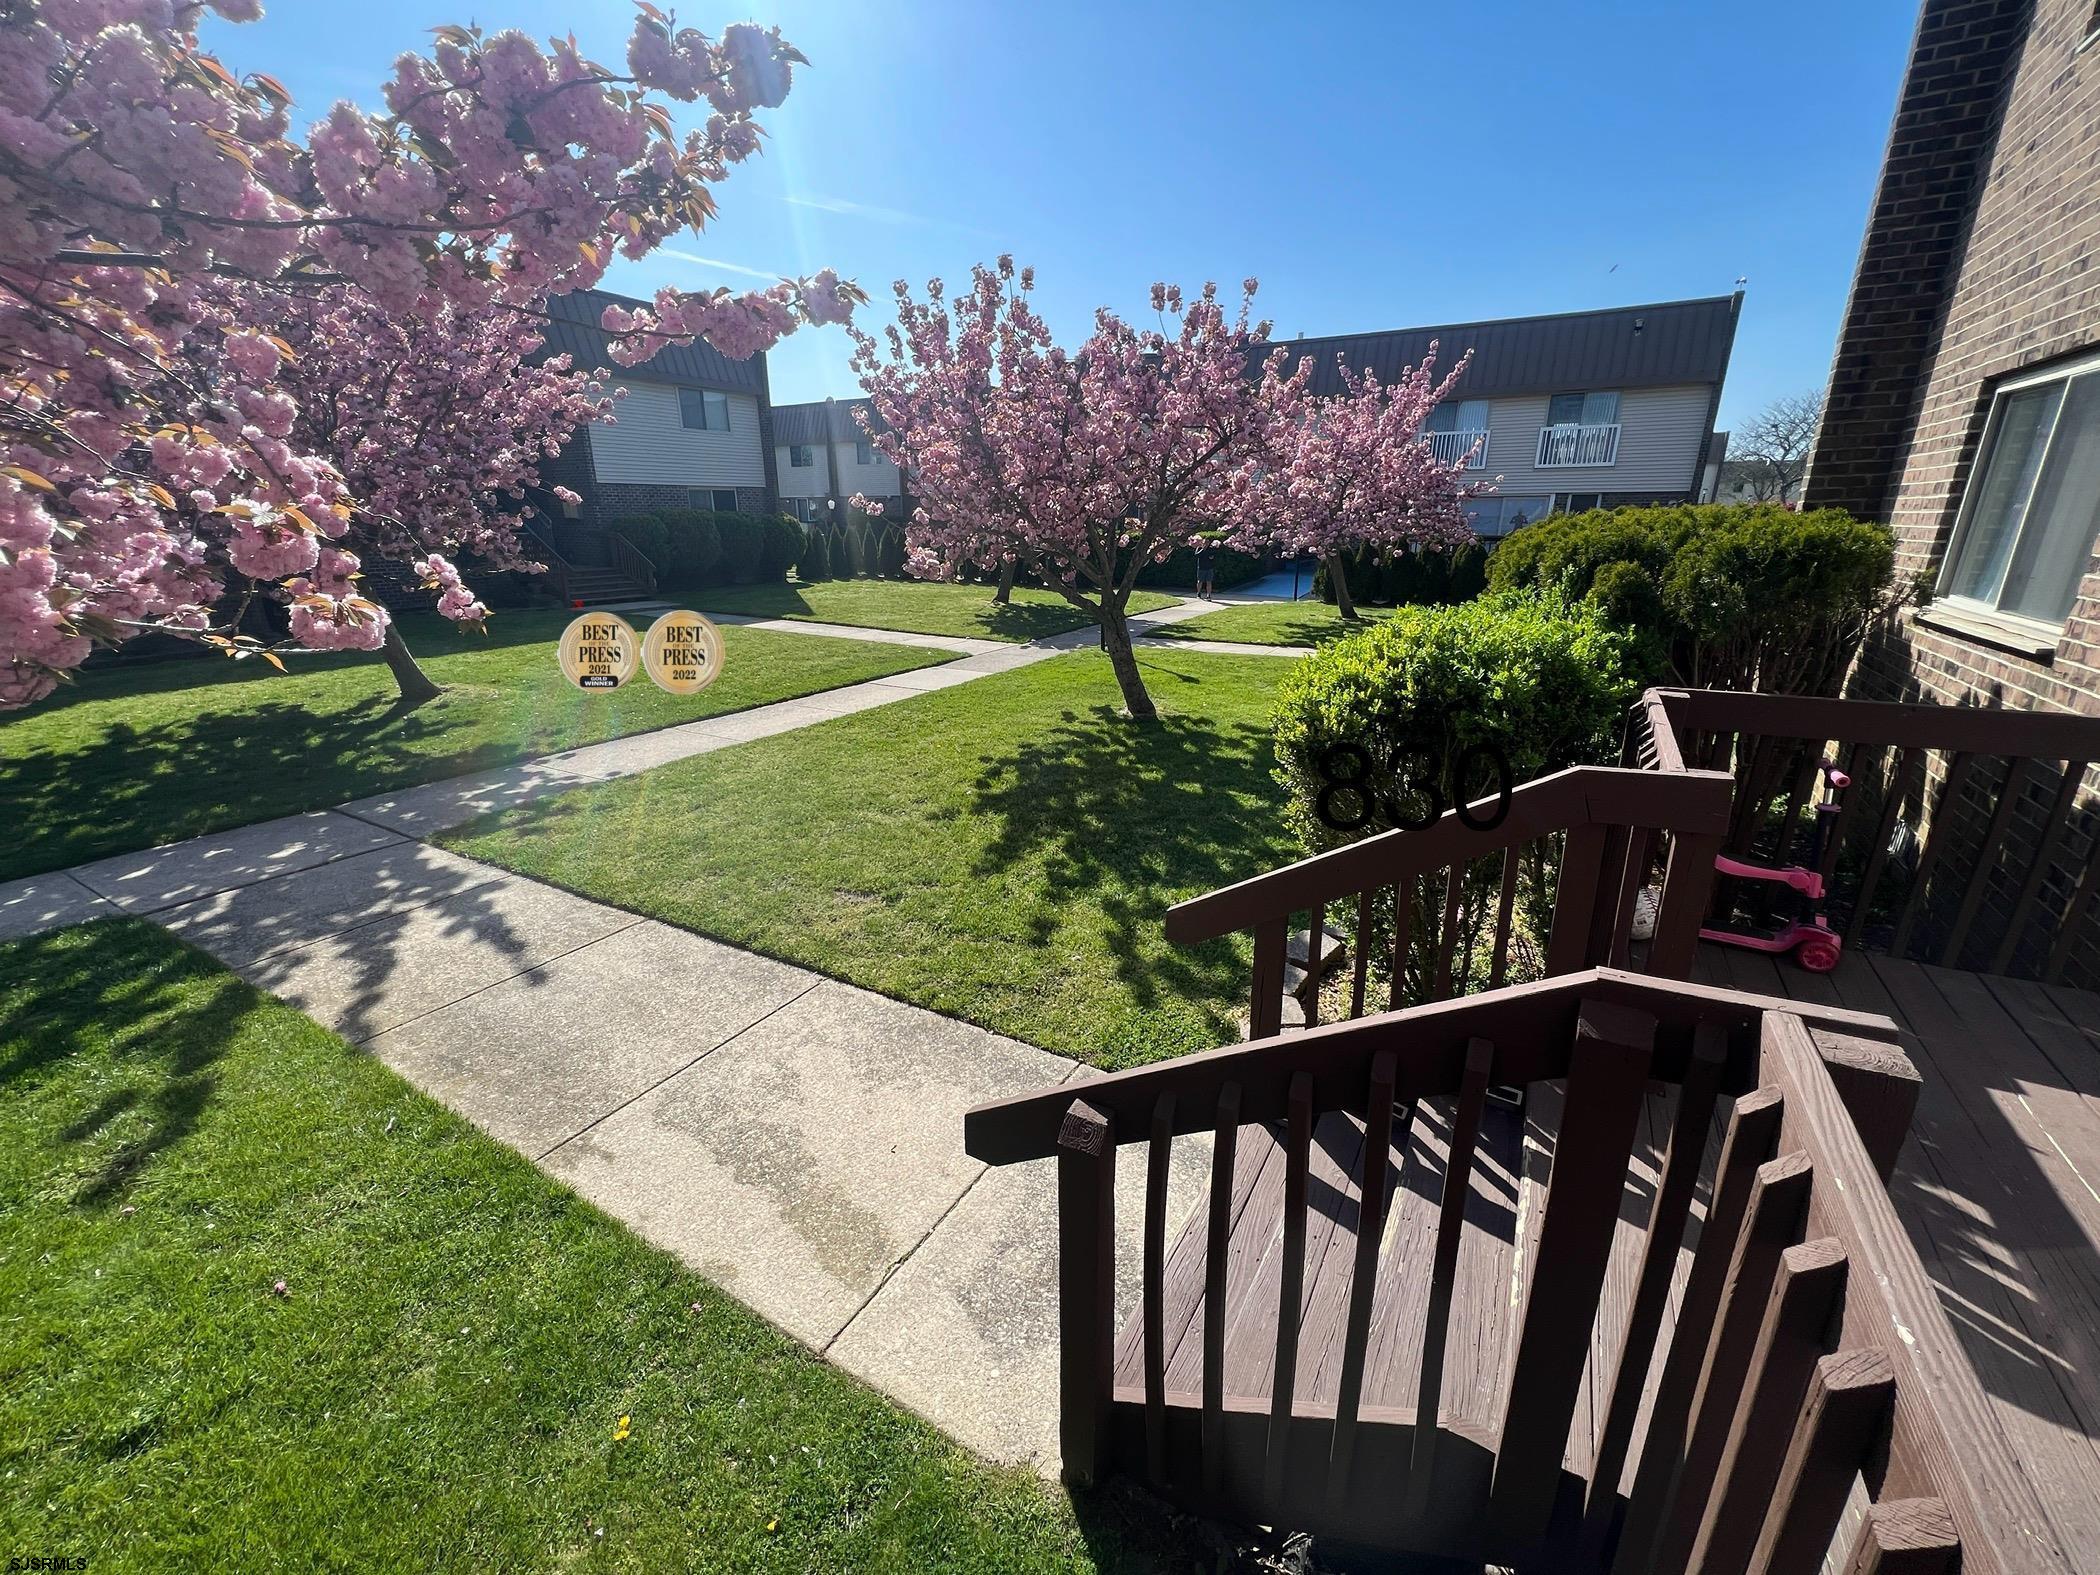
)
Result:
{"points": [[794, 1138]]}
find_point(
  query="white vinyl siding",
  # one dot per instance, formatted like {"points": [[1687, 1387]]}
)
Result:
{"points": [[876, 480], [1662, 437], [648, 442], [798, 481]]}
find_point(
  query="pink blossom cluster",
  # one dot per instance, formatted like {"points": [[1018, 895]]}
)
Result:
{"points": [[1084, 465], [1353, 473], [438, 425], [155, 444], [455, 601]]}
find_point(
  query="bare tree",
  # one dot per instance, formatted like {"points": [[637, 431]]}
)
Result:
{"points": [[1769, 456]]}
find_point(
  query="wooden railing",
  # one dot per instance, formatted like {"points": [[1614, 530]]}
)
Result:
{"points": [[1584, 838], [1996, 792], [1805, 1351], [558, 567], [632, 562]]}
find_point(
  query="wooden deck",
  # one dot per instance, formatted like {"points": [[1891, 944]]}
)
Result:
{"points": [[1999, 1187]]}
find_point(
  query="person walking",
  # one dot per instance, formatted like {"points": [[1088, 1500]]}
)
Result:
{"points": [[1204, 554]]}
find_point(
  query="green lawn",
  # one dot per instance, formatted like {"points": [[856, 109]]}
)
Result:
{"points": [[922, 607], [440, 1383], [1002, 851], [1271, 623], [133, 757]]}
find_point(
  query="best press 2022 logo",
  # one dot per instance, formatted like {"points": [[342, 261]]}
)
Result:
{"points": [[682, 653]]}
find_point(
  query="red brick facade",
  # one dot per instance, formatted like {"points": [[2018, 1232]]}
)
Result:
{"points": [[1978, 263]]}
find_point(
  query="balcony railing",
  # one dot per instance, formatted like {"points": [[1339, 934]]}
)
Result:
{"points": [[1452, 447], [1575, 444]]}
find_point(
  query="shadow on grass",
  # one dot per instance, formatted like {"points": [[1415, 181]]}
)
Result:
{"points": [[110, 990], [1138, 816], [1020, 621], [129, 787]]}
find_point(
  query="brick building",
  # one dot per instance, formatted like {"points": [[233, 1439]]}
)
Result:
{"points": [[1964, 399]]}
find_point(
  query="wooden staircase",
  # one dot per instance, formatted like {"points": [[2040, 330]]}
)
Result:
{"points": [[1661, 1322]]}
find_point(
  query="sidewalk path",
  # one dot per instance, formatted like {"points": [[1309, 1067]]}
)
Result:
{"points": [[794, 1138]]}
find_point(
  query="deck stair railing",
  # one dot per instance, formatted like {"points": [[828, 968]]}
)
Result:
{"points": [[1596, 831], [2005, 874], [1756, 1330]]}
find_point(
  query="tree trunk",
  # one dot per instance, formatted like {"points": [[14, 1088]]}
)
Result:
{"points": [[1005, 593], [1340, 581], [411, 680], [1115, 639]]}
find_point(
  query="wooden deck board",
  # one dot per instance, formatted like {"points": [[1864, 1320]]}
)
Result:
{"points": [[1999, 1189]]}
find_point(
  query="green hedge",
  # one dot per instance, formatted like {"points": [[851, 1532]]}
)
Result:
{"points": [[815, 562], [1422, 695], [695, 548], [1731, 596], [780, 545], [1228, 568], [1422, 577]]}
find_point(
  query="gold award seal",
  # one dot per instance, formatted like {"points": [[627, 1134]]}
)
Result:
{"points": [[598, 651], [682, 652]]}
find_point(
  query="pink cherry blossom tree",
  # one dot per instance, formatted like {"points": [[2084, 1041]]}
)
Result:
{"points": [[437, 426], [1085, 465], [138, 175], [1354, 474]]}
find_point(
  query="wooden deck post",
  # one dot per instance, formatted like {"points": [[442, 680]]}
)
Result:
{"points": [[1607, 1079], [1688, 885], [1086, 1289], [1906, 1536]]}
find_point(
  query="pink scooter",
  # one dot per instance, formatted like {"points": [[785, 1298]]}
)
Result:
{"points": [[1815, 945]]}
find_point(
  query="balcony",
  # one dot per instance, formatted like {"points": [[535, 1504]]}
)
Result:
{"points": [[1574, 444], [1451, 448]]}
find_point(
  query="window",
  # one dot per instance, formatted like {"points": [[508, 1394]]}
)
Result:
{"points": [[703, 409], [807, 510], [801, 456], [1458, 415], [1498, 516], [721, 499], [1580, 502], [863, 452], [1582, 410], [2030, 512]]}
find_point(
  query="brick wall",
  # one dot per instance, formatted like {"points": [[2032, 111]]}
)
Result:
{"points": [[1975, 265]]}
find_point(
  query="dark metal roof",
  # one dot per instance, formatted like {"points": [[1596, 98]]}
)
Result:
{"points": [[575, 329], [1652, 346], [804, 423]]}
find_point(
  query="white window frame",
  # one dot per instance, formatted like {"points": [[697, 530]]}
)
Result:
{"points": [[1972, 489]]}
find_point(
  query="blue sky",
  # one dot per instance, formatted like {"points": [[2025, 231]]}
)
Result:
{"points": [[1375, 165]]}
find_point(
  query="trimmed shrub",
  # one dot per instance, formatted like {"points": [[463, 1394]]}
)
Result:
{"points": [[649, 535], [1544, 683], [743, 544], [892, 553], [1410, 708], [1729, 596], [1421, 577], [1228, 568], [780, 546], [815, 562], [691, 548]]}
